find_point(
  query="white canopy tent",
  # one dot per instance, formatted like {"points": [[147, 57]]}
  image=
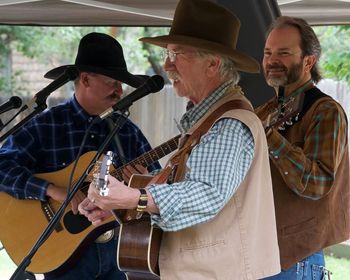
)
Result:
{"points": [[146, 12]]}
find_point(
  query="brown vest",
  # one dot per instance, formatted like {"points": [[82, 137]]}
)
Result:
{"points": [[241, 241], [305, 226]]}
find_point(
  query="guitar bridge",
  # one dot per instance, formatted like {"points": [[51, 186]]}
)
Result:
{"points": [[49, 213]]}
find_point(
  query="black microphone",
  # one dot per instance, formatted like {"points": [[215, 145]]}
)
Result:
{"points": [[13, 103], [153, 84], [70, 73]]}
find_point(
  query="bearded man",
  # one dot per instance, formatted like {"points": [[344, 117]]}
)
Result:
{"points": [[308, 152]]}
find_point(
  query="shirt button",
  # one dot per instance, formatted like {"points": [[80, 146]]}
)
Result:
{"points": [[286, 173], [92, 136]]}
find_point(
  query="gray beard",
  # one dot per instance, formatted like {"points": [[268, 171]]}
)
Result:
{"points": [[277, 82], [290, 77]]}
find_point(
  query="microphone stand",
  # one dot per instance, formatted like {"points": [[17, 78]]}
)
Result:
{"points": [[41, 107], [1, 124], [57, 216], [69, 74]]}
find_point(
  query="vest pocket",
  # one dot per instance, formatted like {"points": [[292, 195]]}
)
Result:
{"points": [[202, 244], [300, 227]]}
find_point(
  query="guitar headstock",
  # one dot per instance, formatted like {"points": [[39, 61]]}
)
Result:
{"points": [[286, 113], [101, 173]]}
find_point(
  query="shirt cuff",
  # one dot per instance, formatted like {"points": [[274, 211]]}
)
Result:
{"points": [[278, 145], [37, 189], [166, 203]]}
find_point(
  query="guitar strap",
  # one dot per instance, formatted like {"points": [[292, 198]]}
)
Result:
{"points": [[175, 168], [311, 96]]}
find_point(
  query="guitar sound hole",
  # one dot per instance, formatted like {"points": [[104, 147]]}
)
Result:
{"points": [[75, 223]]}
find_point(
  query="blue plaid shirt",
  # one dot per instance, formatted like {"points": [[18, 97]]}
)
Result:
{"points": [[216, 167], [51, 141]]}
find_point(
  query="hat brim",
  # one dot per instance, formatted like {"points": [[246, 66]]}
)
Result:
{"points": [[121, 75], [242, 61]]}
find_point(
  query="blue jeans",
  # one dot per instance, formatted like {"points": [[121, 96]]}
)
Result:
{"points": [[97, 262], [310, 268]]}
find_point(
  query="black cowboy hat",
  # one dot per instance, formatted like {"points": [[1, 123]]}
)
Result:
{"points": [[102, 54]]}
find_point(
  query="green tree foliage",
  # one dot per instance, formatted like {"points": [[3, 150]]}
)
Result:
{"points": [[58, 45], [142, 57], [54, 46], [335, 60], [48, 45]]}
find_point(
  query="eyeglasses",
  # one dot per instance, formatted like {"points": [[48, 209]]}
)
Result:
{"points": [[171, 54]]}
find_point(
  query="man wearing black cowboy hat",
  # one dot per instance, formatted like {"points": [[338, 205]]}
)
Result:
{"points": [[216, 208], [51, 142]]}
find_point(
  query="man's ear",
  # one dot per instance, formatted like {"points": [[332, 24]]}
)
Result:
{"points": [[213, 65], [84, 79], [309, 62]]}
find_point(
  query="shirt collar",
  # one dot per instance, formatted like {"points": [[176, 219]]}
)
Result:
{"points": [[198, 111], [79, 114]]}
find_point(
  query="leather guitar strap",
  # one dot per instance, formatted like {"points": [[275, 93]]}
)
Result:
{"points": [[193, 139]]}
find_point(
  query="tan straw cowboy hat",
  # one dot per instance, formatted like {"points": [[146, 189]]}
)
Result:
{"points": [[205, 25]]}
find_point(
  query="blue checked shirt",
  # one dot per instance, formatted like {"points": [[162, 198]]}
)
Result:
{"points": [[216, 167], [51, 141]]}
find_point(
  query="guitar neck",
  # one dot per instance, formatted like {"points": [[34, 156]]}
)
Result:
{"points": [[285, 111], [148, 158]]}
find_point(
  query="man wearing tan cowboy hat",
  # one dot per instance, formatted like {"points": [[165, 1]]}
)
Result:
{"points": [[216, 208], [51, 142]]}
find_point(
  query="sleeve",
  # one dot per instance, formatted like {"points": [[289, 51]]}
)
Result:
{"points": [[17, 165], [310, 171], [215, 169]]}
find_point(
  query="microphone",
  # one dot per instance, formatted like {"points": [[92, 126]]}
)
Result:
{"points": [[13, 103], [70, 73], [153, 84]]}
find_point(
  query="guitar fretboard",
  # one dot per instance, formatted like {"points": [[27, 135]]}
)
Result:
{"points": [[149, 157]]}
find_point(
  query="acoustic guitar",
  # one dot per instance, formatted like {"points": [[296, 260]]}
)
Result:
{"points": [[23, 221], [139, 241]]}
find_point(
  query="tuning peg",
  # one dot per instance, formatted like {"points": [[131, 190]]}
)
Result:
{"points": [[281, 127], [289, 122]]}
